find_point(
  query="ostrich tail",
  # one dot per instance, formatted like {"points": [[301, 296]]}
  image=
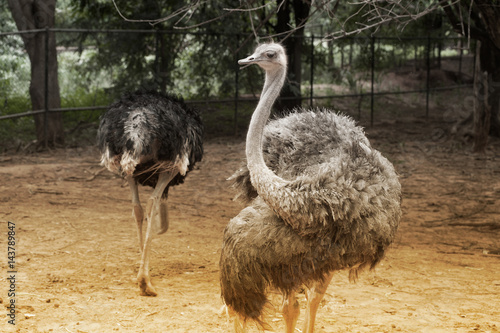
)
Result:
{"points": [[242, 293], [260, 252], [240, 181], [245, 263]]}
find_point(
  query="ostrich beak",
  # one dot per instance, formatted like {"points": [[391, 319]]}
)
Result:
{"points": [[247, 61]]}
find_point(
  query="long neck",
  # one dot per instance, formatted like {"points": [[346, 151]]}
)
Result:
{"points": [[260, 173]]}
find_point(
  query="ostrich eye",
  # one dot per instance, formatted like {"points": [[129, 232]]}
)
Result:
{"points": [[271, 55]]}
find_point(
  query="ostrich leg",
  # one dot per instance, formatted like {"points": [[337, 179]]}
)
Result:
{"points": [[156, 209], [314, 296], [291, 311], [239, 324], [162, 227], [137, 210]]}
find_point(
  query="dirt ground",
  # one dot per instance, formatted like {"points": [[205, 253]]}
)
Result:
{"points": [[77, 254]]}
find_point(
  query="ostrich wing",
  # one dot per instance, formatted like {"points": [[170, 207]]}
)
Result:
{"points": [[334, 175]]}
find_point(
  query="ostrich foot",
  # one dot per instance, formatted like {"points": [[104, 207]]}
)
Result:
{"points": [[146, 286]]}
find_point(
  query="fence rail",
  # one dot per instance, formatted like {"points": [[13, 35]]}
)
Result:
{"points": [[316, 44]]}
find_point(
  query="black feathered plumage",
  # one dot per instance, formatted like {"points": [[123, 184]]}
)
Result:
{"points": [[152, 139], [145, 132]]}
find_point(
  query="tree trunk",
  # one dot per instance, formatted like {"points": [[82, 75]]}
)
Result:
{"points": [[482, 26], [162, 69], [290, 93], [39, 14], [488, 56]]}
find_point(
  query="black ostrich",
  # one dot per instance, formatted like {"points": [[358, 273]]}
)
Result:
{"points": [[151, 139]]}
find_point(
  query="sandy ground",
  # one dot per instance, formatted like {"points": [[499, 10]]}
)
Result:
{"points": [[77, 254]]}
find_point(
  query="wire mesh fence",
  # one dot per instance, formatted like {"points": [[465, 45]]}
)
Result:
{"points": [[353, 75]]}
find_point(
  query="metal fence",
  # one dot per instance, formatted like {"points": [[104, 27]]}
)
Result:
{"points": [[326, 63]]}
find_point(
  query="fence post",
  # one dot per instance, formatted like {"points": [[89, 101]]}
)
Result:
{"points": [[440, 49], [236, 88], [372, 49], [342, 57], [415, 57], [476, 54], [427, 88], [350, 51], [46, 90], [312, 72], [460, 61], [157, 57]]}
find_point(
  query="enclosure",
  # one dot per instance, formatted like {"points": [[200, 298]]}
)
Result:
{"points": [[353, 75], [76, 251]]}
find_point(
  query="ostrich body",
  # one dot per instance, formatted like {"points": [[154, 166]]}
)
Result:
{"points": [[320, 198], [150, 139]]}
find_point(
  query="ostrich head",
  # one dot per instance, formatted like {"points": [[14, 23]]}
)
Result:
{"points": [[268, 56]]}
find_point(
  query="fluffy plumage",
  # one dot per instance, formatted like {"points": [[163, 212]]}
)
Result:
{"points": [[320, 199], [335, 175], [145, 133], [349, 231]]}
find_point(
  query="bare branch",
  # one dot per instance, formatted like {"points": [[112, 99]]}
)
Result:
{"points": [[190, 12], [457, 22], [468, 25], [179, 11], [202, 23], [254, 32], [253, 26], [247, 9], [393, 11], [375, 14], [300, 26]]}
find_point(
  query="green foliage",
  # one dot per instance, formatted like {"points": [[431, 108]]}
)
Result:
{"points": [[81, 97], [15, 76], [166, 60], [14, 98], [82, 85], [78, 86], [6, 21], [17, 130], [81, 126], [95, 68]]}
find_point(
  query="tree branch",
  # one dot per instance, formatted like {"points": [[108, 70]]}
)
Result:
{"points": [[183, 10], [457, 22], [376, 14]]}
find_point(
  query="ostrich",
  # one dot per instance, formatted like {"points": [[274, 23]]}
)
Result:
{"points": [[151, 139], [321, 199]]}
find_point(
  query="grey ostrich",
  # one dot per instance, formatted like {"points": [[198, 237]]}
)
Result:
{"points": [[321, 199], [150, 139]]}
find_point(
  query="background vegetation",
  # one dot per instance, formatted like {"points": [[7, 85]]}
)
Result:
{"points": [[199, 63]]}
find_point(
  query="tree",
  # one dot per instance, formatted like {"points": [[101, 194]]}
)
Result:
{"points": [[474, 19], [169, 54], [40, 14], [274, 17], [292, 13], [479, 21], [285, 20], [130, 50]]}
